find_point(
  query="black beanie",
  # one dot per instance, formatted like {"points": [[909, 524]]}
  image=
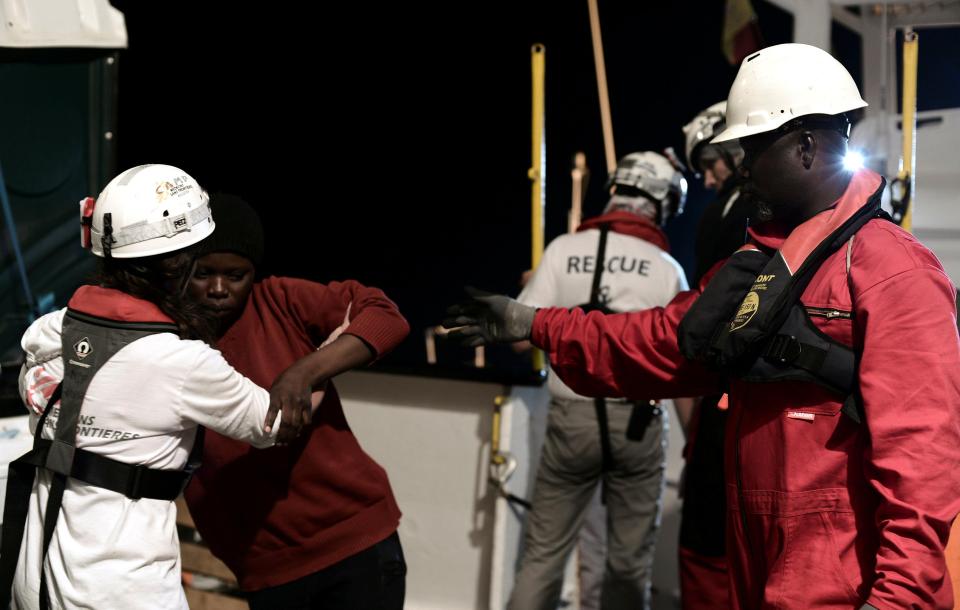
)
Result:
{"points": [[237, 229]]}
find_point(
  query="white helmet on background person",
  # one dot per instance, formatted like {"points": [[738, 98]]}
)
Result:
{"points": [[649, 176], [701, 129], [783, 82], [698, 133], [146, 210]]}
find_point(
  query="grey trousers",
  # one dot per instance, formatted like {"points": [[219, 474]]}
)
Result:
{"points": [[568, 475], [592, 544]]}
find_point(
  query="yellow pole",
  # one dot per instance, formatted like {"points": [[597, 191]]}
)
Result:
{"points": [[908, 163], [538, 167], [538, 170], [495, 456]]}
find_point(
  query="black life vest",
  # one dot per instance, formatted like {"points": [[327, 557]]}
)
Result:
{"points": [[87, 343], [749, 323]]}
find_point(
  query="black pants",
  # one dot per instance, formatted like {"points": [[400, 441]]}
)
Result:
{"points": [[703, 523], [373, 579]]}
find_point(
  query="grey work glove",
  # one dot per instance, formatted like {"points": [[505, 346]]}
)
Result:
{"points": [[867, 607], [489, 318]]}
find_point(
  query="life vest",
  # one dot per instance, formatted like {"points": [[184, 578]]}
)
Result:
{"points": [[749, 322], [87, 343]]}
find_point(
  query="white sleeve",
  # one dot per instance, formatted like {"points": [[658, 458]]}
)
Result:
{"points": [[681, 284], [42, 342], [542, 289], [678, 283], [216, 396], [43, 369]]}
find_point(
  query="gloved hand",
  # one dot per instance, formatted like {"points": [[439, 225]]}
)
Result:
{"points": [[489, 318]]}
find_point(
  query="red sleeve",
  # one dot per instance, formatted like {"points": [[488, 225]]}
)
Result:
{"points": [[629, 354], [322, 307], [910, 383]]}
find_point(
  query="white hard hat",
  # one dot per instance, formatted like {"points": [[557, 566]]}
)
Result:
{"points": [[147, 210], [654, 176], [699, 131], [783, 82]]}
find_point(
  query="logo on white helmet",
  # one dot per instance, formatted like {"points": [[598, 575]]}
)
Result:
{"points": [[179, 186]]}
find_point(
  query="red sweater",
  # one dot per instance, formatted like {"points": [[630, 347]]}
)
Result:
{"points": [[275, 515]]}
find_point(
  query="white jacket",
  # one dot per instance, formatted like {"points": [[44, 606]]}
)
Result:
{"points": [[142, 407]]}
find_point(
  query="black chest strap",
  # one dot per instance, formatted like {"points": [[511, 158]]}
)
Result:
{"points": [[800, 351]]}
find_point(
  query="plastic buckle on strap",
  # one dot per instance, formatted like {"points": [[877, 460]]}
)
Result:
{"points": [[783, 349]]}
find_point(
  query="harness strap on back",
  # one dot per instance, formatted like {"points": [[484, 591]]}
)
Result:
{"points": [[54, 499], [606, 464], [600, 404], [20, 477], [595, 302], [132, 480]]}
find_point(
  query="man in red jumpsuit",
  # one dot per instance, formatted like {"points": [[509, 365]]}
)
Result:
{"points": [[824, 511]]}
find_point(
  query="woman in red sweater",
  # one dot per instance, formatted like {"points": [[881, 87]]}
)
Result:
{"points": [[311, 524]]}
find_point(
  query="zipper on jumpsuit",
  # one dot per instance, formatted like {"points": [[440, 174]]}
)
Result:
{"points": [[828, 313]]}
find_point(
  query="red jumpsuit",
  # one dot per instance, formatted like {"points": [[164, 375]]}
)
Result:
{"points": [[823, 512]]}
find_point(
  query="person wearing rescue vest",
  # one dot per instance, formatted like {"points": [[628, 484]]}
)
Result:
{"points": [[313, 524], [833, 332], [722, 230], [617, 261], [117, 386]]}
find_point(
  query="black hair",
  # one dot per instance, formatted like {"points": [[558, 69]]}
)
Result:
{"points": [[161, 280]]}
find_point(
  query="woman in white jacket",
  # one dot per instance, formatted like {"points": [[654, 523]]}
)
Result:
{"points": [[142, 379]]}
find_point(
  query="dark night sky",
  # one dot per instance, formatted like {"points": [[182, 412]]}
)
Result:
{"points": [[390, 144]]}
